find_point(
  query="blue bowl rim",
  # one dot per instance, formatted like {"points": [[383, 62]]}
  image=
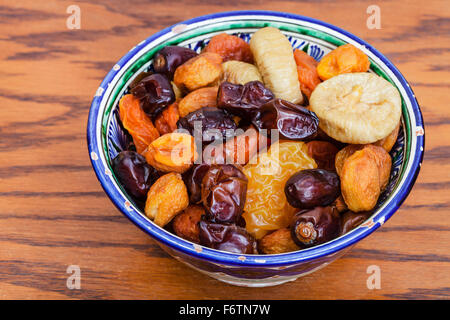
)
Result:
{"points": [[233, 259]]}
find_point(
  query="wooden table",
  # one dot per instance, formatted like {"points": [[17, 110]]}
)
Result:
{"points": [[53, 212]]}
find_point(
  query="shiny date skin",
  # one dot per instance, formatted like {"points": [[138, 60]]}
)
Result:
{"points": [[134, 173], [292, 121], [193, 180], [155, 93], [169, 58], [311, 188], [243, 100], [226, 237], [313, 227], [224, 190], [215, 124], [350, 220]]}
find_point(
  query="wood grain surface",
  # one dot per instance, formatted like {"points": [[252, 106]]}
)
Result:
{"points": [[53, 212]]}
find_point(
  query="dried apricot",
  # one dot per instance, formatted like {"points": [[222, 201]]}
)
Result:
{"points": [[185, 225], [343, 154], [166, 198], [199, 71], [307, 72], [344, 59], [136, 122], [364, 174], [166, 122], [266, 207], [323, 153], [278, 241], [172, 152], [230, 47], [203, 97]]}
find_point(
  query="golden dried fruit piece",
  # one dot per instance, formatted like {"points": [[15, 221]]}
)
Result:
{"points": [[136, 122], [278, 241], [360, 181], [364, 174], [230, 47], [239, 72], [266, 208], [343, 154], [357, 108], [172, 152], [274, 58], [166, 198], [344, 59], [185, 225], [199, 71], [388, 142], [176, 91], [203, 97]]}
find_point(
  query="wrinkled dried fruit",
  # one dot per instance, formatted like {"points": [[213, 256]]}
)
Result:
{"points": [[193, 179], [307, 72], [363, 176], [224, 189], [166, 198], [229, 238], [239, 72], [204, 97], [276, 242], [136, 122], [134, 173], [266, 208], [292, 121], [172, 152], [155, 93], [310, 188], [313, 227], [215, 124], [199, 71], [169, 58], [324, 153], [243, 100], [166, 122], [344, 59], [340, 204], [230, 47], [238, 150], [343, 155], [388, 142], [185, 225], [350, 220]]}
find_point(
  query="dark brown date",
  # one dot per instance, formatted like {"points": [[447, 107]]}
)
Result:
{"points": [[169, 58], [324, 153], [155, 93], [243, 100], [350, 220], [134, 173], [292, 121], [193, 180], [225, 237], [310, 188], [215, 124], [312, 227], [224, 189]]}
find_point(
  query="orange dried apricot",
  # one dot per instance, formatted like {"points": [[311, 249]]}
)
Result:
{"points": [[344, 59], [307, 72], [203, 97], [172, 152], [198, 72], [266, 207], [166, 122], [278, 241], [230, 47], [185, 225], [136, 122], [388, 142]]}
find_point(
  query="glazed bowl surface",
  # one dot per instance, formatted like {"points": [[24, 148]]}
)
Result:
{"points": [[106, 138]]}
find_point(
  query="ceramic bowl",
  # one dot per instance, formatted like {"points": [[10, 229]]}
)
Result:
{"points": [[106, 138]]}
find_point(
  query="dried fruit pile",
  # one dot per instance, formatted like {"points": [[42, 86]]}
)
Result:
{"points": [[224, 154]]}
